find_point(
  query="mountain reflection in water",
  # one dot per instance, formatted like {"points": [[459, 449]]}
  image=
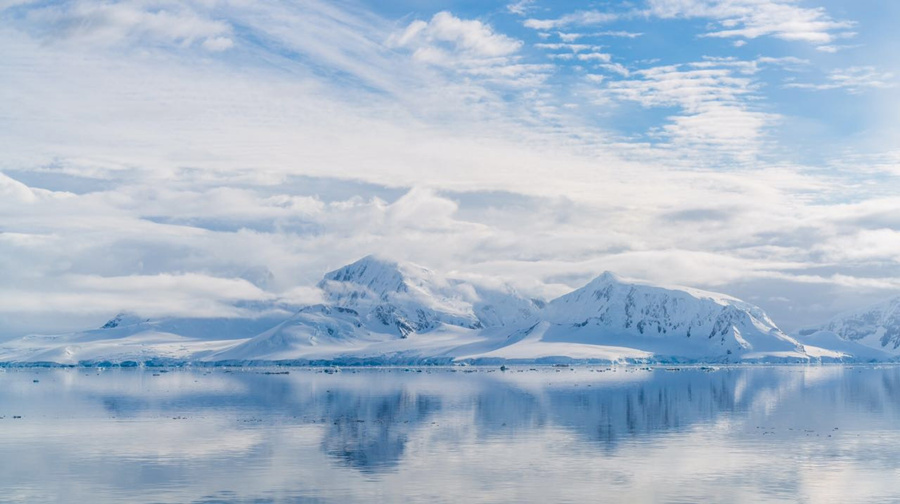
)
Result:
{"points": [[446, 434]]}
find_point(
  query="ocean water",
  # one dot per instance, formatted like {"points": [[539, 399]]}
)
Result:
{"points": [[527, 434]]}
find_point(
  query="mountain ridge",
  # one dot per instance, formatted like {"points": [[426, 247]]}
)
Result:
{"points": [[379, 310]]}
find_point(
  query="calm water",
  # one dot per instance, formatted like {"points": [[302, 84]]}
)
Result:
{"points": [[818, 434]]}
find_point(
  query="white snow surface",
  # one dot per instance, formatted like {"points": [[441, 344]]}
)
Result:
{"points": [[829, 344], [379, 311]]}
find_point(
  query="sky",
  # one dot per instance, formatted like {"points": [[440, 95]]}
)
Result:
{"points": [[192, 158]]}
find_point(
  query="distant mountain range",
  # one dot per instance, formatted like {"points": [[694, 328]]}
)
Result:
{"points": [[377, 311]]}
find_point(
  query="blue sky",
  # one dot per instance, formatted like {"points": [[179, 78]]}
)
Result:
{"points": [[835, 62], [180, 157]]}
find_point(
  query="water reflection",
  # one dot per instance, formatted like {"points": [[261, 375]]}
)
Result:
{"points": [[370, 432], [761, 433]]}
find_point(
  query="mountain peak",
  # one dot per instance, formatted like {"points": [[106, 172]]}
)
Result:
{"points": [[403, 296], [374, 260], [379, 274], [123, 319], [370, 261], [608, 277]]}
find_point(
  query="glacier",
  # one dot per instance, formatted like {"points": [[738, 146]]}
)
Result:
{"points": [[381, 312]]}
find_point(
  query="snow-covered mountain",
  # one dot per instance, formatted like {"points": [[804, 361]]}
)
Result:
{"points": [[704, 322], [374, 302], [405, 298], [875, 328], [399, 298], [660, 322], [377, 310]]}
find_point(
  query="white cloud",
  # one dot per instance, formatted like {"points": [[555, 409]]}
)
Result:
{"points": [[520, 7], [580, 18], [218, 44], [471, 37], [750, 19], [745, 19], [852, 79], [828, 48], [130, 21], [618, 33], [617, 68], [866, 245], [595, 56], [569, 37], [566, 46], [13, 191], [468, 47], [715, 96]]}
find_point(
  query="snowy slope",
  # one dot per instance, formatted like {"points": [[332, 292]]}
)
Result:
{"points": [[876, 327], [839, 348], [317, 331], [128, 337], [503, 308]]}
